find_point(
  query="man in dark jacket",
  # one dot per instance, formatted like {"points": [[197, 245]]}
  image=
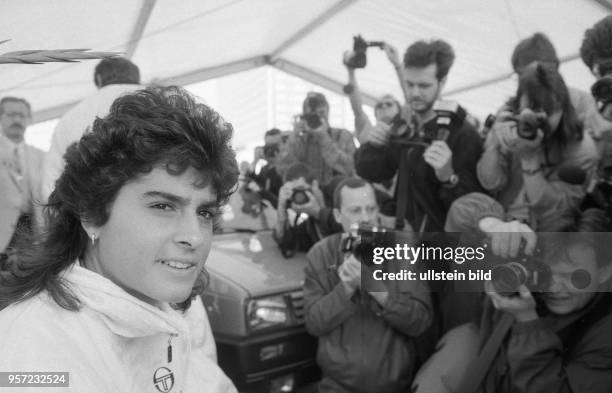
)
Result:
{"points": [[364, 334], [560, 340], [440, 163]]}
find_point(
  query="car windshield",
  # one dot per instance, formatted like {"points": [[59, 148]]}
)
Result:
{"points": [[240, 215]]}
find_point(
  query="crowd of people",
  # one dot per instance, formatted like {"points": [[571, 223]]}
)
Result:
{"points": [[423, 167], [118, 251]]}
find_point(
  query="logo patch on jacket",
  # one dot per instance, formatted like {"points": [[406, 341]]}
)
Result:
{"points": [[163, 378]]}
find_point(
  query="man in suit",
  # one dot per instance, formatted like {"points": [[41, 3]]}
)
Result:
{"points": [[20, 168]]}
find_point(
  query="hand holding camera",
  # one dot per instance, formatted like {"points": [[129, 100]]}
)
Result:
{"points": [[378, 134], [440, 157], [521, 134], [357, 58], [507, 238], [392, 55], [350, 273], [523, 306], [301, 198]]}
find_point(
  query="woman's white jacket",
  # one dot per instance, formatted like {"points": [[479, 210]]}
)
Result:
{"points": [[115, 343]]}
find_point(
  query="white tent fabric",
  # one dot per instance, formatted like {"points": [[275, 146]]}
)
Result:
{"points": [[189, 41]]}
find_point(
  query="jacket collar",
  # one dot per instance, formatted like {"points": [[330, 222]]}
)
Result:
{"points": [[124, 314]]}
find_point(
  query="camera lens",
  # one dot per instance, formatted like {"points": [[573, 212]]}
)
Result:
{"points": [[299, 197], [527, 127], [602, 89], [507, 278]]}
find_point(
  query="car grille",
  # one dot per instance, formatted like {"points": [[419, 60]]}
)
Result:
{"points": [[297, 304]]}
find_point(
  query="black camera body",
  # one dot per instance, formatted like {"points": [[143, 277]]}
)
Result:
{"points": [[312, 120], [529, 271], [299, 196], [447, 113], [366, 237], [528, 122], [602, 89], [360, 46], [270, 151]]}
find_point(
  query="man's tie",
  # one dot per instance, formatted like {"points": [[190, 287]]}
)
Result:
{"points": [[17, 162]]}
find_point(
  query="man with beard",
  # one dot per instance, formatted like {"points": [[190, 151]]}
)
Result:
{"points": [[436, 162], [20, 167]]}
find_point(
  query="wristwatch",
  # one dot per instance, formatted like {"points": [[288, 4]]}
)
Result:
{"points": [[452, 181]]}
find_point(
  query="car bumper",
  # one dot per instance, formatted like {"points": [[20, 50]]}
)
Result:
{"points": [[269, 362]]}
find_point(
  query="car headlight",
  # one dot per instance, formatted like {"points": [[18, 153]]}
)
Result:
{"points": [[267, 312]]}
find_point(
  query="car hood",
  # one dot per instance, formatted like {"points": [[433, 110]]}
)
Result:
{"points": [[254, 262]]}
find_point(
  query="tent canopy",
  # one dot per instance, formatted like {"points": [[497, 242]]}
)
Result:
{"points": [[189, 41]]}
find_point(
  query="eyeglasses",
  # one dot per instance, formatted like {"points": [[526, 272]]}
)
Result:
{"points": [[385, 104]]}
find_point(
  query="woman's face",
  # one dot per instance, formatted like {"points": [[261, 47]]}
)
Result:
{"points": [[575, 279], [386, 109], [157, 237]]}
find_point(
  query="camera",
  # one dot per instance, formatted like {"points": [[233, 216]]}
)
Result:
{"points": [[358, 59], [599, 193], [312, 120], [447, 113], [528, 271], [602, 89], [310, 116], [528, 122], [270, 151], [299, 196], [366, 237]]}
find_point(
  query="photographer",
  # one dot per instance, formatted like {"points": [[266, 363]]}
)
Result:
{"points": [[558, 339], [328, 151], [523, 154], [388, 111], [268, 180], [365, 335], [302, 218], [538, 48], [596, 53], [436, 162]]}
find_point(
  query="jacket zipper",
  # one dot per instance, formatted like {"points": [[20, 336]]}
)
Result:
{"points": [[172, 335]]}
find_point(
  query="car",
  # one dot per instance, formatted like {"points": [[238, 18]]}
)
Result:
{"points": [[255, 305]]}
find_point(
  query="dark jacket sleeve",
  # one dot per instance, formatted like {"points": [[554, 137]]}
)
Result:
{"points": [[536, 362], [376, 163], [408, 308], [327, 305], [327, 223], [467, 149]]}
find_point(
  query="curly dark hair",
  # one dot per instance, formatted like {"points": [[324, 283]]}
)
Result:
{"points": [[438, 52], [597, 42], [145, 129]]}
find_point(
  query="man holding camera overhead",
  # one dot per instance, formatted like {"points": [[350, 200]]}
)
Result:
{"points": [[365, 327], [436, 159], [328, 151]]}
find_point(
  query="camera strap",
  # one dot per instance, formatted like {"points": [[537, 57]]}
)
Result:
{"points": [[479, 367], [420, 200], [402, 190]]}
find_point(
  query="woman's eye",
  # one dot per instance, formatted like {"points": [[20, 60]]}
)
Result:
{"points": [[207, 214], [163, 206]]}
